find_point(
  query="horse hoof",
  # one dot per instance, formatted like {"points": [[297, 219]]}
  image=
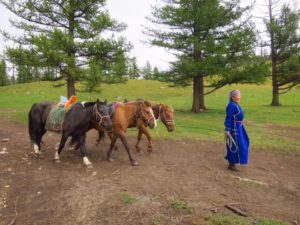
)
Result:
{"points": [[134, 163], [90, 166], [57, 161], [110, 159], [141, 152]]}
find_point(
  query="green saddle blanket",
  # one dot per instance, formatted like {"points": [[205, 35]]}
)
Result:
{"points": [[55, 119]]}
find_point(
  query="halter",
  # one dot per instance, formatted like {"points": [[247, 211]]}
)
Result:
{"points": [[168, 122], [98, 115]]}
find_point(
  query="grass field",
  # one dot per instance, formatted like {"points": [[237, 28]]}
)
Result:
{"points": [[264, 123]]}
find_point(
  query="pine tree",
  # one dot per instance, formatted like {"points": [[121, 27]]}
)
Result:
{"points": [[213, 46], [3, 73], [134, 72], [284, 43], [67, 34], [147, 71], [156, 74]]}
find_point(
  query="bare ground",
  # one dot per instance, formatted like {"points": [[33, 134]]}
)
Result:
{"points": [[40, 191]]}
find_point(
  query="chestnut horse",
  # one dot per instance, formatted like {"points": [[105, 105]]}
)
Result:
{"points": [[126, 116], [162, 112]]}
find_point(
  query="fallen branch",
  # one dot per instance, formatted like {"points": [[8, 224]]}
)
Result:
{"points": [[252, 181], [16, 214], [4, 139], [236, 210]]}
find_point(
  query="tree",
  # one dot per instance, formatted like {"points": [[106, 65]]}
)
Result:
{"points": [[213, 46], [93, 77], [156, 74], [147, 71], [3, 74], [67, 34], [24, 62], [284, 43], [134, 72]]}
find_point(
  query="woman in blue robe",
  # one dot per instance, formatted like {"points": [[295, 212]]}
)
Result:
{"points": [[237, 141]]}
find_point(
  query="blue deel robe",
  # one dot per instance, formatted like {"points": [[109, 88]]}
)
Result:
{"points": [[237, 150]]}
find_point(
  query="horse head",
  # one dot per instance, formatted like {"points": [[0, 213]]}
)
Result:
{"points": [[166, 114], [145, 113], [101, 111]]}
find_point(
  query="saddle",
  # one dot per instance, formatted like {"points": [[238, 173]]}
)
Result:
{"points": [[113, 106], [57, 114]]}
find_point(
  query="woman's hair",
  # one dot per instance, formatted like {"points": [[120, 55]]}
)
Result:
{"points": [[234, 93]]}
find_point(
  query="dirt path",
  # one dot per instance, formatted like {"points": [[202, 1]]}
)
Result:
{"points": [[39, 191]]}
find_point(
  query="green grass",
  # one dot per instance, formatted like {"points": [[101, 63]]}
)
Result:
{"points": [[127, 199], [181, 205], [234, 220], [260, 117]]}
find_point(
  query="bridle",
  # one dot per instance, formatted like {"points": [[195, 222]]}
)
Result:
{"points": [[98, 115], [143, 117]]}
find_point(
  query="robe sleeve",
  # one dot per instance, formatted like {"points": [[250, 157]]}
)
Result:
{"points": [[229, 117]]}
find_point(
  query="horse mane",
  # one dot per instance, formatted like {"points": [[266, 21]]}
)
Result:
{"points": [[87, 104]]}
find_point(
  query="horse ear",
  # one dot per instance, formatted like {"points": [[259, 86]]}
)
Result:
{"points": [[147, 103], [139, 105], [97, 101]]}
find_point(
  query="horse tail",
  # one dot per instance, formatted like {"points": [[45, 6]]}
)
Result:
{"points": [[30, 124]]}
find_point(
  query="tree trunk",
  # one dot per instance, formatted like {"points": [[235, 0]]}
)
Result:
{"points": [[70, 86], [198, 95], [71, 55], [275, 93]]}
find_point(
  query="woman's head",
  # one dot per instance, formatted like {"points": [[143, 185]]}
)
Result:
{"points": [[235, 96]]}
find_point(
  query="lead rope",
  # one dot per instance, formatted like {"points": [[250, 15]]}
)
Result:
{"points": [[158, 119], [230, 142]]}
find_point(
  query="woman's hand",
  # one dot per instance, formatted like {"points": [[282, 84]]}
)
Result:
{"points": [[226, 133]]}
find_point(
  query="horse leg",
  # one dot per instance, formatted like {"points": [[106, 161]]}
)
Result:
{"points": [[101, 135], [64, 138], [124, 141], [86, 161], [38, 134], [112, 144], [111, 135], [140, 133], [149, 137]]}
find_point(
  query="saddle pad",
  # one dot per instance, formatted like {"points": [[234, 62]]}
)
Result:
{"points": [[55, 119]]}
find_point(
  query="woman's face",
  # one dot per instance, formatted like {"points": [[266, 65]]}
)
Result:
{"points": [[236, 98]]}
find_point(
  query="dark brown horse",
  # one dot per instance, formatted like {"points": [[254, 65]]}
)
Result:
{"points": [[77, 121], [126, 116]]}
